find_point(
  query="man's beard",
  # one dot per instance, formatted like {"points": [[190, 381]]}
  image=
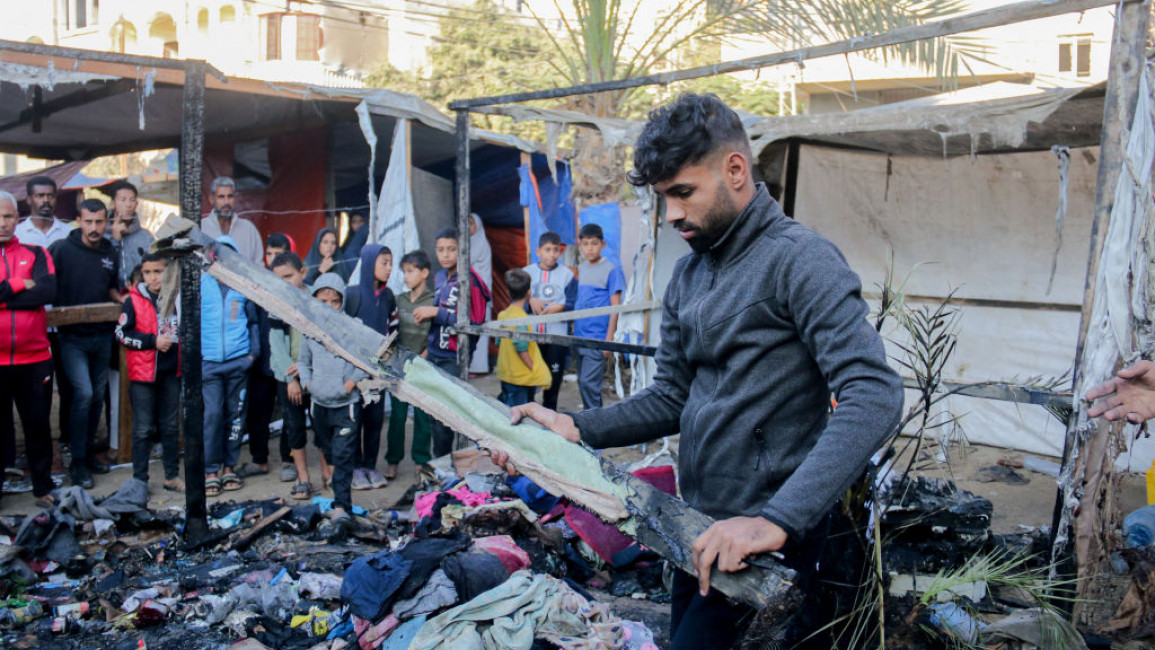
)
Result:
{"points": [[226, 213], [715, 223], [46, 210]]}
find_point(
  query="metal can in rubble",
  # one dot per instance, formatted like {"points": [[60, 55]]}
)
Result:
{"points": [[71, 610], [65, 625], [26, 613]]}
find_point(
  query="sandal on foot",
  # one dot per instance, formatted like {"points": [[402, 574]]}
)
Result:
{"points": [[231, 482], [302, 490], [174, 485], [212, 487]]}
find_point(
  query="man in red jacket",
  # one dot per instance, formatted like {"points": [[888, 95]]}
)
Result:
{"points": [[27, 283]]}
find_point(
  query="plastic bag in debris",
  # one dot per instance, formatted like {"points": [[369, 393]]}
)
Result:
{"points": [[954, 622], [1139, 527], [275, 601], [320, 586], [231, 520], [325, 505]]}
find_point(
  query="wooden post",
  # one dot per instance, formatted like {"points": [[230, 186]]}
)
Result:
{"points": [[193, 410], [124, 411], [1088, 482], [463, 263]]}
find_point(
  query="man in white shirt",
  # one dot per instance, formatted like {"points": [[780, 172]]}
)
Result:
{"points": [[41, 227], [223, 220]]}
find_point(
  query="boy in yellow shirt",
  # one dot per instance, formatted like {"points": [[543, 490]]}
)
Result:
{"points": [[520, 366]]}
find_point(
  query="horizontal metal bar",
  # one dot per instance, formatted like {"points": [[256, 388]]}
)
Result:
{"points": [[986, 302], [565, 316], [106, 57], [1009, 14], [559, 339], [1005, 393]]}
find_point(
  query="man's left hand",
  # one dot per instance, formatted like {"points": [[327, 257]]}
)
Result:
{"points": [[729, 541]]}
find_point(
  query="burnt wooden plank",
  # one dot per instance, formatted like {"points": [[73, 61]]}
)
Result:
{"points": [[100, 312]]}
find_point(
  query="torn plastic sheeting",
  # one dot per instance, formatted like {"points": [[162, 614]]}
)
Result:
{"points": [[27, 76], [583, 480]]}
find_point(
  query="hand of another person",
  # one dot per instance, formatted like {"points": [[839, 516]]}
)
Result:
{"points": [[729, 541], [292, 371], [29, 283], [326, 265], [350, 385], [294, 391], [164, 342], [537, 306], [119, 226], [559, 423], [1130, 394], [422, 314], [606, 354]]}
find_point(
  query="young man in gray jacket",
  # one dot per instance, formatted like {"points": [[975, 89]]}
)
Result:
{"points": [[332, 385], [761, 324]]}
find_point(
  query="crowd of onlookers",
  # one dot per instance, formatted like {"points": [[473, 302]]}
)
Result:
{"points": [[251, 360]]}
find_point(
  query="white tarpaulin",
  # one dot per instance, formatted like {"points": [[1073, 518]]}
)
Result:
{"points": [[396, 224], [986, 229]]}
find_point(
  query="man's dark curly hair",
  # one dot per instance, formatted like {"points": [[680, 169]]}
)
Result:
{"points": [[682, 133]]}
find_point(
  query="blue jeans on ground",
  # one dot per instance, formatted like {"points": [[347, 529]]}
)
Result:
{"points": [[513, 395], [591, 372], [85, 361], [156, 407], [223, 389]]}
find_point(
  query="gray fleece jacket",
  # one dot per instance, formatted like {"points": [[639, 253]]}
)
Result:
{"points": [[757, 333], [322, 373]]}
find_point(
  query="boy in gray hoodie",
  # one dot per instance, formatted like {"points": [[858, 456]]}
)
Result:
{"points": [[332, 383]]}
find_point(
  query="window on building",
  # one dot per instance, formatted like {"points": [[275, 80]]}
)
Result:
{"points": [[272, 26], [1075, 55], [309, 38], [80, 13], [228, 14], [203, 21]]}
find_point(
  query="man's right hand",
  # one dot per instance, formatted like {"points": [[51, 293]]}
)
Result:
{"points": [[559, 423], [1130, 395], [163, 343]]}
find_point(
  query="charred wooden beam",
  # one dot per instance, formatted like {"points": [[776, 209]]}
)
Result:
{"points": [[655, 519], [39, 111], [463, 248], [101, 312]]}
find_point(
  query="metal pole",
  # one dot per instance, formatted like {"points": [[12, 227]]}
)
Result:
{"points": [[463, 219], [193, 412]]}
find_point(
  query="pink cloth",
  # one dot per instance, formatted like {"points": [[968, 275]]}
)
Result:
{"points": [[603, 538], [424, 504], [373, 639], [506, 550]]}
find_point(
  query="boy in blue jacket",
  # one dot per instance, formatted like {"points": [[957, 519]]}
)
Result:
{"points": [[229, 344]]}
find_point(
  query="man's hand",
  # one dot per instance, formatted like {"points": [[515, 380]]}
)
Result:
{"points": [[294, 391], [28, 284], [606, 354], [729, 541], [559, 423], [349, 386], [1130, 395], [537, 306], [119, 226], [164, 342], [326, 265], [292, 371], [422, 314]]}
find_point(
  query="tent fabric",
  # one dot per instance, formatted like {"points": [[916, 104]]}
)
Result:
{"points": [[396, 224], [508, 246], [62, 173], [296, 187], [609, 217], [550, 202]]}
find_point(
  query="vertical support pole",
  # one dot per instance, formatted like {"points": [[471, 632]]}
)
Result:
{"points": [[463, 219], [790, 187], [1077, 540], [191, 163], [463, 295]]}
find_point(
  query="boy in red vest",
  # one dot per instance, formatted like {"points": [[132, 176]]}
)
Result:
{"points": [[153, 359]]}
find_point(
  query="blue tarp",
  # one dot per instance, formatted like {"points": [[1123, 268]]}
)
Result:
{"points": [[556, 210], [609, 217]]}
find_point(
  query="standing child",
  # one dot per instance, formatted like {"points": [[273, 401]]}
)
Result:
{"points": [[554, 290], [441, 346], [153, 360], [284, 349], [332, 384], [520, 366], [377, 309], [413, 336], [229, 345], [600, 284]]}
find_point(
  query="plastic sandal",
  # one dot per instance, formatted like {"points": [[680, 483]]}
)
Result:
{"points": [[302, 490], [212, 487], [231, 482]]}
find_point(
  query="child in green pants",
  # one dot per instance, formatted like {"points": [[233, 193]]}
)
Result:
{"points": [[413, 336]]}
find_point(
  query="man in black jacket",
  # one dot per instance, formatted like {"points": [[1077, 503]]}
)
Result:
{"points": [[761, 324], [87, 271]]}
